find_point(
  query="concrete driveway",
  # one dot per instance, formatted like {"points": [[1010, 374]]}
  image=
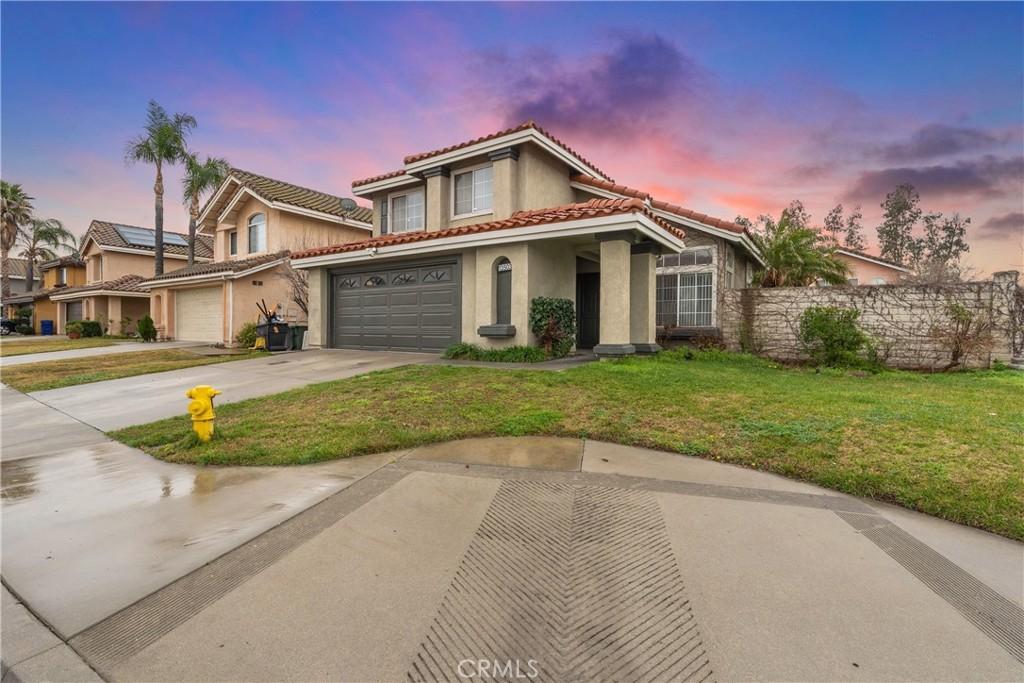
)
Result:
{"points": [[137, 400], [577, 561]]}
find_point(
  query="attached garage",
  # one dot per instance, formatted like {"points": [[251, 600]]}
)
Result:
{"points": [[404, 307], [199, 314]]}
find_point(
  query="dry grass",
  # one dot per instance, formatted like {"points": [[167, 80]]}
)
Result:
{"points": [[53, 374], [15, 347], [951, 445]]}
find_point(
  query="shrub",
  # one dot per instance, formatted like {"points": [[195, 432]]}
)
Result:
{"points": [[146, 329], [963, 335], [24, 328], [23, 313], [91, 328], [830, 336], [509, 354], [554, 323], [73, 329], [246, 336]]}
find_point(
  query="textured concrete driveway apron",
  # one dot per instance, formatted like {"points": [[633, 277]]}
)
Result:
{"points": [[137, 400], [578, 569]]}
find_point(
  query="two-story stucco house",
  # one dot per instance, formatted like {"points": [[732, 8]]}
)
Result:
{"points": [[253, 222], [118, 258], [466, 236], [55, 276]]}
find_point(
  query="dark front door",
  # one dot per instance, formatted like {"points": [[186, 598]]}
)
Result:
{"points": [[588, 309]]}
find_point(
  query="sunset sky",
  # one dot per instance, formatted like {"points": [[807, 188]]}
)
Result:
{"points": [[729, 109]]}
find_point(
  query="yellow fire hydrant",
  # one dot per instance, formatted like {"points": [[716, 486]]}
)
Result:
{"points": [[201, 409]]}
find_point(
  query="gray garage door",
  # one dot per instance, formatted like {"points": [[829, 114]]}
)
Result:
{"points": [[73, 311], [411, 307]]}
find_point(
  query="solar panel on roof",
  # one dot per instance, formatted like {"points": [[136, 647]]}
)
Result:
{"points": [[140, 237]]}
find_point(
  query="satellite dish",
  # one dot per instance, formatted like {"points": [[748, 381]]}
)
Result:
{"points": [[348, 204]]}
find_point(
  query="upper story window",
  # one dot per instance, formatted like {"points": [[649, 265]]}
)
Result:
{"points": [[62, 276], [233, 242], [473, 191], [406, 214], [257, 233], [97, 268]]}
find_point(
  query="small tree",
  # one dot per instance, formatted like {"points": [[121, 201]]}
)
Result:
{"points": [[147, 330], [964, 334], [553, 321]]}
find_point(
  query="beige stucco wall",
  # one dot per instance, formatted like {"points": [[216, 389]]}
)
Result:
{"points": [[267, 285], [116, 264], [642, 298], [294, 232], [486, 257], [319, 289], [615, 267], [543, 180]]}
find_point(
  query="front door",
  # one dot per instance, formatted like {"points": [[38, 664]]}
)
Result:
{"points": [[588, 309]]}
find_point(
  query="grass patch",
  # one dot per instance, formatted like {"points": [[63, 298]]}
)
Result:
{"points": [[53, 374], [951, 445], [20, 348]]}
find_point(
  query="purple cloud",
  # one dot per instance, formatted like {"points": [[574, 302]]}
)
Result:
{"points": [[634, 82], [985, 177], [937, 140], [999, 227]]}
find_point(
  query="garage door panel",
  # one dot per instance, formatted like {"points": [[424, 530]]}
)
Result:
{"points": [[413, 308], [199, 314]]}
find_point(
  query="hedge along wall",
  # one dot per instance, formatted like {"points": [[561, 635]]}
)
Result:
{"points": [[909, 323]]}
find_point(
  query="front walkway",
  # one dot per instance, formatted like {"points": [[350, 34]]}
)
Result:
{"points": [[117, 347], [145, 398]]}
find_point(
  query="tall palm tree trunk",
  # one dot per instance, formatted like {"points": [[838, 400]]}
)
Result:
{"points": [[30, 274], [193, 217], [158, 192], [5, 280]]}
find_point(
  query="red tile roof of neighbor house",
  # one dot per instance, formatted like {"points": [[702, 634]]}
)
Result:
{"points": [[413, 158], [125, 283], [658, 204], [520, 219], [232, 266]]}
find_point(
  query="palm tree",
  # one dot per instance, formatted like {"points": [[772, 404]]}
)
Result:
{"points": [[163, 142], [200, 178], [795, 257], [15, 211], [40, 241]]}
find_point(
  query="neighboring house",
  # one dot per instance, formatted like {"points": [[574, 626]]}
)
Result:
{"points": [[18, 283], [466, 236], [118, 258], [55, 276], [866, 269], [253, 221]]}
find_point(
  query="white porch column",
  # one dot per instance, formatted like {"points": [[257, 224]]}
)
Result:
{"points": [[643, 261], [614, 329]]}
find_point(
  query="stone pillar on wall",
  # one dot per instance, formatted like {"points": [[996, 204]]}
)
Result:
{"points": [[437, 198], [1004, 319], [505, 164], [642, 263], [614, 328]]}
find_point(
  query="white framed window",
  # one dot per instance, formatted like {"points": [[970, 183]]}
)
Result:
{"points": [[473, 191], [257, 233], [685, 299], [406, 214]]}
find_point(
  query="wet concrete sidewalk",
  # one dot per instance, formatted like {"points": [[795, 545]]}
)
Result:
{"points": [[118, 347], [91, 525], [137, 400]]}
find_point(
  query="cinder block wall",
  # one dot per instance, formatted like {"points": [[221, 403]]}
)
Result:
{"points": [[906, 321]]}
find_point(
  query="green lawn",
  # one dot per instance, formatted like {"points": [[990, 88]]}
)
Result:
{"points": [[16, 347], [53, 374], [951, 445]]}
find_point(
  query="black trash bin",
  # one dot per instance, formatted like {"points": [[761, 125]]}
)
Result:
{"points": [[278, 336]]}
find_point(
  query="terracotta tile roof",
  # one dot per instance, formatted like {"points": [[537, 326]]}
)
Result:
{"points": [[296, 195], [382, 176], [862, 254], [125, 283], [520, 219], [105, 233], [234, 266], [658, 204], [73, 260], [18, 267], [412, 158], [34, 295]]}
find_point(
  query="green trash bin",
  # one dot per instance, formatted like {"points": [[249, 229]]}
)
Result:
{"points": [[298, 334]]}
